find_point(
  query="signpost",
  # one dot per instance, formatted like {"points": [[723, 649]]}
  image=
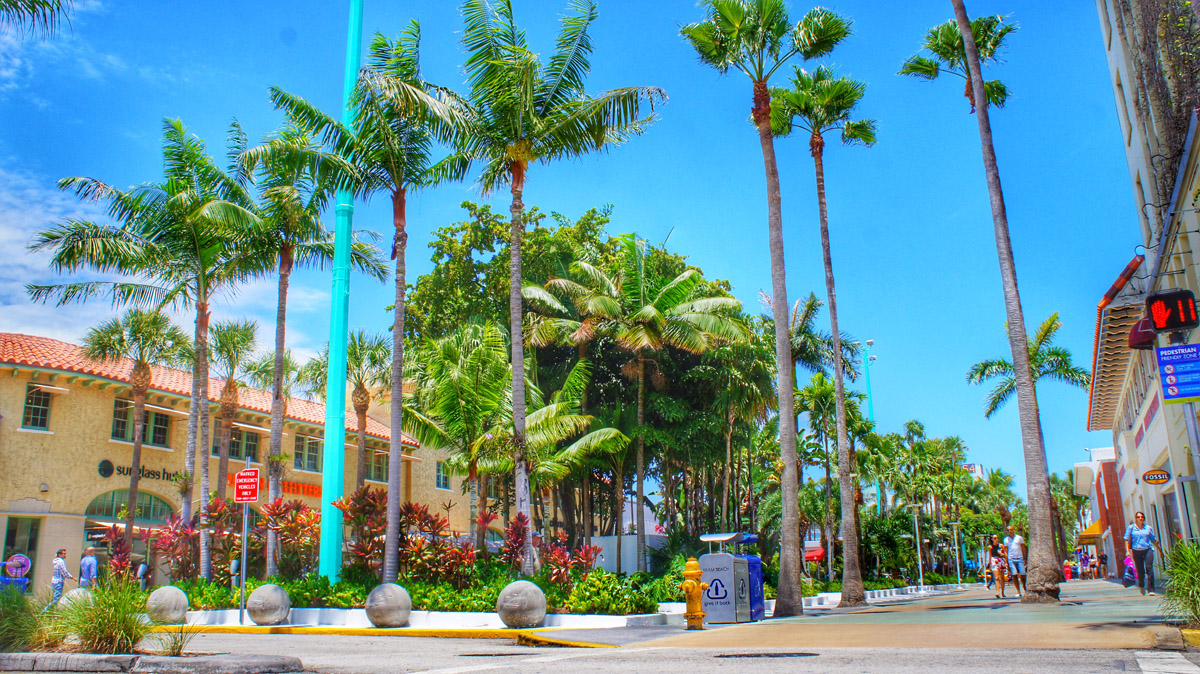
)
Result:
{"points": [[1179, 372], [245, 491]]}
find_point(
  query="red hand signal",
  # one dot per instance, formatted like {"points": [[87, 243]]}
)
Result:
{"points": [[1160, 312]]}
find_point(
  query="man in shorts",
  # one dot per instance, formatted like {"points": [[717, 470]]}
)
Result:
{"points": [[1016, 559]]}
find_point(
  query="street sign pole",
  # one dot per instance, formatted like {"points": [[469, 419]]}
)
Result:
{"points": [[1179, 374], [242, 562]]}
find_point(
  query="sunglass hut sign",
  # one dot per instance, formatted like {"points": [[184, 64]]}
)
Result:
{"points": [[107, 469]]}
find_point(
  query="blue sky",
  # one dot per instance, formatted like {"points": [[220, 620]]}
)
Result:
{"points": [[911, 229]]}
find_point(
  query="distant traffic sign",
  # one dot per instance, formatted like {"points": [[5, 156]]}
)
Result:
{"points": [[245, 486], [1179, 372]]}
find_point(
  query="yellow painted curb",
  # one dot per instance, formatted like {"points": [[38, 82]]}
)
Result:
{"points": [[524, 637], [1191, 637]]}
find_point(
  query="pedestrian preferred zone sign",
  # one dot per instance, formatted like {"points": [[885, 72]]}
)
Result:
{"points": [[1179, 372]]}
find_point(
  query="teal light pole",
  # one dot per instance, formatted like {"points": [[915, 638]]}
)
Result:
{"points": [[871, 413], [334, 452]]}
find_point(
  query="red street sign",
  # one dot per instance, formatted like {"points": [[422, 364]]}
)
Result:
{"points": [[245, 486]]}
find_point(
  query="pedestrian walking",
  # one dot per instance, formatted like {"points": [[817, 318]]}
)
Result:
{"points": [[1103, 564], [1085, 564], [1016, 559], [58, 578], [143, 575], [87, 569], [1139, 536], [997, 563]]}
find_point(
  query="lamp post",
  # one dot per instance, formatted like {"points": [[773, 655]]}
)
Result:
{"points": [[957, 562], [917, 539], [871, 415], [334, 451]]}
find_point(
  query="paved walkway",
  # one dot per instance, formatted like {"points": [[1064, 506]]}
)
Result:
{"points": [[1095, 614]]}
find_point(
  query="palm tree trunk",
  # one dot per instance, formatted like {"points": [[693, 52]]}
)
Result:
{"points": [[362, 448], [187, 489], [588, 519], [639, 509], [516, 335], [619, 502], [852, 587], [1042, 580], [391, 546], [275, 451], [790, 599], [727, 474], [202, 448], [223, 452], [135, 470]]}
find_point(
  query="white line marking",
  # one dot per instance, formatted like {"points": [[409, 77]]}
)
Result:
{"points": [[1158, 662]]}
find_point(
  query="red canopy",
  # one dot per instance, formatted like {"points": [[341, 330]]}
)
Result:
{"points": [[814, 554]]}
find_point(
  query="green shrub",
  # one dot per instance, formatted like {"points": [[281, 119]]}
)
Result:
{"points": [[19, 621], [205, 596], [605, 593], [112, 622], [1181, 597], [665, 588]]}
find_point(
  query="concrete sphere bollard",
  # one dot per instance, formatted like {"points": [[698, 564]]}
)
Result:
{"points": [[168, 605], [521, 604], [269, 605], [80, 594], [389, 605]]}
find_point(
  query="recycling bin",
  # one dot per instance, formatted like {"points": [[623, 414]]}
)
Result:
{"points": [[758, 600], [735, 584]]}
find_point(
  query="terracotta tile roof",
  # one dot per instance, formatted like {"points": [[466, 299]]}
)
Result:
{"points": [[52, 354]]}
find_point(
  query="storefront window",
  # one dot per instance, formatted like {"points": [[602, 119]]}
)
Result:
{"points": [[156, 431], [377, 466], [1172, 528], [150, 507], [242, 443], [21, 537], [308, 453], [37, 408]]}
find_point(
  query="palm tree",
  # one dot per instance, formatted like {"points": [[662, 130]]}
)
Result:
{"points": [[42, 16], [176, 242], [296, 180], [949, 55], [817, 103], [368, 370], [396, 115], [522, 111], [233, 346], [756, 37], [983, 39], [147, 338], [1047, 360]]}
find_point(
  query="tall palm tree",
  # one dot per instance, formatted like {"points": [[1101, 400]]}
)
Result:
{"points": [[296, 180], [368, 371], [818, 103], [983, 39], [756, 37], [233, 347], [147, 338], [523, 111], [176, 243], [1047, 360], [396, 116]]}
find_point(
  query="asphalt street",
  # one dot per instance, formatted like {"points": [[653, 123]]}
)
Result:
{"points": [[388, 655]]}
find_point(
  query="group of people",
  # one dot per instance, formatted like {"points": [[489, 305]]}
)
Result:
{"points": [[1084, 566], [61, 574], [1006, 562]]}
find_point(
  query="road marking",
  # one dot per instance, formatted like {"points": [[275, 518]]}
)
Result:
{"points": [[539, 658], [1157, 662]]}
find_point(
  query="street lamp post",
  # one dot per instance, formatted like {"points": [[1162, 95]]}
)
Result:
{"points": [[871, 414], [957, 562], [334, 454], [917, 540]]}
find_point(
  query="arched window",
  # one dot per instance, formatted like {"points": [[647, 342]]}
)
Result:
{"points": [[151, 509]]}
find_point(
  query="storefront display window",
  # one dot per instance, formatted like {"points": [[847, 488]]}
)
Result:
{"points": [[150, 507], [21, 537]]}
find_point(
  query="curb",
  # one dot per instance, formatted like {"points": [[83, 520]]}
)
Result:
{"points": [[158, 664], [1191, 637], [525, 637]]}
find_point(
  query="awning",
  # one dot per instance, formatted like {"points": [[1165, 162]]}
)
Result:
{"points": [[1118, 311], [814, 554], [1091, 535]]}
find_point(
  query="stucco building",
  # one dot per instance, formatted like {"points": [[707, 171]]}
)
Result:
{"points": [[1155, 96], [65, 450]]}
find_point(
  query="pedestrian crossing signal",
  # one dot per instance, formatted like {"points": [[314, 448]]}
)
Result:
{"points": [[1172, 310]]}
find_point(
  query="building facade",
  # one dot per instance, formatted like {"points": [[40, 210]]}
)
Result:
{"points": [[66, 450], [1155, 97]]}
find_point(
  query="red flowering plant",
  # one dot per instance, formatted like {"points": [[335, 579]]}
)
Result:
{"points": [[514, 541], [178, 543], [296, 528], [119, 565], [584, 559], [365, 511], [483, 521]]}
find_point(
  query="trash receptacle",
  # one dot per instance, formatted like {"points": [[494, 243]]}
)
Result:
{"points": [[758, 600], [735, 586]]}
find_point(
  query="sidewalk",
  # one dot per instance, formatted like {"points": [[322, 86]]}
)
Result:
{"points": [[1095, 614]]}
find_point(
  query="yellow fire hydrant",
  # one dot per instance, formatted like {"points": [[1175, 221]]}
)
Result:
{"points": [[693, 590]]}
